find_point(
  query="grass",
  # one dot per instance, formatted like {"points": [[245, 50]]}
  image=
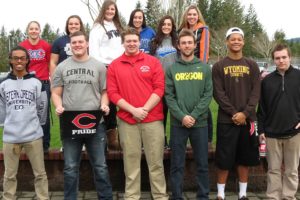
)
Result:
{"points": [[55, 135]]}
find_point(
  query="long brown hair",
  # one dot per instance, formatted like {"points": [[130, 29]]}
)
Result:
{"points": [[101, 17], [130, 23], [80, 22], [184, 22], [157, 41]]}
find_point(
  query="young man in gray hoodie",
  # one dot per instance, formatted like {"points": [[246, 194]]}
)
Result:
{"points": [[23, 108]]}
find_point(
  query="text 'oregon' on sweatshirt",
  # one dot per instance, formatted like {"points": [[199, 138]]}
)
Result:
{"points": [[188, 91]]}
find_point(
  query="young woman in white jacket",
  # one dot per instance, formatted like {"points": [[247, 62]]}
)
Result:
{"points": [[105, 45]]}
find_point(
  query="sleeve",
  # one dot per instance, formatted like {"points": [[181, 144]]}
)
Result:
{"points": [[219, 92], [170, 96], [95, 39], [48, 53], [168, 60], [255, 91], [158, 79], [55, 46], [103, 78], [2, 107], [112, 85], [261, 113], [42, 104], [153, 33], [57, 80], [22, 44], [204, 45], [205, 100]]}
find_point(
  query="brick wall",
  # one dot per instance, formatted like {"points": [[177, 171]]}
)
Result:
{"points": [[54, 166]]}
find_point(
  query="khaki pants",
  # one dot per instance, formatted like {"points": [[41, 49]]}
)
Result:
{"points": [[131, 138], [283, 183], [35, 153]]}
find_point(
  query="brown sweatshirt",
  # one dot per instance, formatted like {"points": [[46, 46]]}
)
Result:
{"points": [[236, 86]]}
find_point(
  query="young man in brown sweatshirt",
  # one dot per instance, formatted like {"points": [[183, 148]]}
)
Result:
{"points": [[236, 90]]}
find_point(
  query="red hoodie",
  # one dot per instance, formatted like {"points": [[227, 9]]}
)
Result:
{"points": [[134, 79]]}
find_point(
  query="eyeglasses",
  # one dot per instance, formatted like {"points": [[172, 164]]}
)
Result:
{"points": [[16, 59]]}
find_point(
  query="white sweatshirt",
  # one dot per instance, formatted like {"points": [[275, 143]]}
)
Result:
{"points": [[105, 46]]}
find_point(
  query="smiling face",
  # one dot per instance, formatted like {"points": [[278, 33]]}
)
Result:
{"points": [[138, 20], [33, 31], [73, 25], [18, 62], [110, 13], [186, 45], [167, 27], [79, 46], [192, 17], [131, 44], [235, 43]]}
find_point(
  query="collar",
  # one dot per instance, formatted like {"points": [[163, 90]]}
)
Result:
{"points": [[14, 77]]}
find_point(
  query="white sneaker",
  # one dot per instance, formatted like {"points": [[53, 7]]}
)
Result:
{"points": [[61, 149]]}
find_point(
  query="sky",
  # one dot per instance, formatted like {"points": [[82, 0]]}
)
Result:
{"points": [[273, 14]]}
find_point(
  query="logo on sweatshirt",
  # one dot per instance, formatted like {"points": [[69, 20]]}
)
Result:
{"points": [[188, 76], [237, 71], [145, 69], [37, 54], [19, 98]]}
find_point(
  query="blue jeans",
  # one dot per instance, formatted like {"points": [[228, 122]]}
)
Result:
{"points": [[199, 138], [46, 126], [95, 147]]}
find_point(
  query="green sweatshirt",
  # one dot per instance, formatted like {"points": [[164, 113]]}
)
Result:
{"points": [[188, 91]]}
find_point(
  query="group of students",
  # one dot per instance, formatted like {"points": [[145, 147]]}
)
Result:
{"points": [[145, 74]]}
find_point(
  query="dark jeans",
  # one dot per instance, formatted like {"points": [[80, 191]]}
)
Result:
{"points": [[165, 110], [199, 142], [95, 146], [46, 126], [210, 126], [110, 120]]}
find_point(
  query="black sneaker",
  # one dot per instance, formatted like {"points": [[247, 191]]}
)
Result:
{"points": [[243, 198], [220, 198]]}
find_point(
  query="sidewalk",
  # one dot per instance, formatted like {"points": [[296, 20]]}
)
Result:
{"points": [[91, 195]]}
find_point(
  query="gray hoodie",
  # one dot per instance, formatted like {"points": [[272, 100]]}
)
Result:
{"points": [[23, 108]]}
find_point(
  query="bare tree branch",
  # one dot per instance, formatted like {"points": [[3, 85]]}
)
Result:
{"points": [[263, 45], [93, 7], [217, 43]]}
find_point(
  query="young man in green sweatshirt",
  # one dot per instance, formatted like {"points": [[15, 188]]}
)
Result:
{"points": [[188, 94]]}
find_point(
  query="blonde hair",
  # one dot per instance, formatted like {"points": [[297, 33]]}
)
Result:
{"points": [[31, 22], [184, 22]]}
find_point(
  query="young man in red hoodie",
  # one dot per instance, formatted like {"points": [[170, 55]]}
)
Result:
{"points": [[135, 83]]}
